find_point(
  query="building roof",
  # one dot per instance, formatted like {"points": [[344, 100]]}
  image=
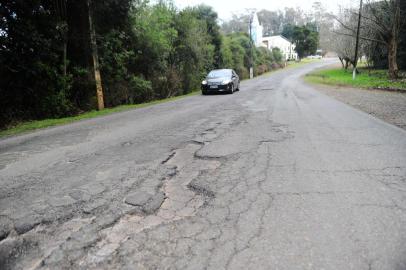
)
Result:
{"points": [[276, 36]]}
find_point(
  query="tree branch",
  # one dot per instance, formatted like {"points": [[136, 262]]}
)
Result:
{"points": [[380, 25], [344, 25], [363, 38]]}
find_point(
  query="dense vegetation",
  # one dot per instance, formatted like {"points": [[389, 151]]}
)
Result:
{"points": [[145, 52], [382, 36], [305, 37]]}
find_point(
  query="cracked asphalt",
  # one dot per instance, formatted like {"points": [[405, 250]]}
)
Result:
{"points": [[276, 176]]}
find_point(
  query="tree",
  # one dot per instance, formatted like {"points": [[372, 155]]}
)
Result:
{"points": [[306, 39], [209, 16], [238, 24], [344, 47], [195, 48], [33, 83], [382, 24], [296, 16], [325, 23], [288, 31], [402, 37], [385, 18], [272, 21]]}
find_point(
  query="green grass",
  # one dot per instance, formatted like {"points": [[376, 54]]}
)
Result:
{"points": [[374, 79], [39, 124]]}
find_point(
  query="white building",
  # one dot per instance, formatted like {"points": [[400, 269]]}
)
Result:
{"points": [[287, 48], [256, 30]]}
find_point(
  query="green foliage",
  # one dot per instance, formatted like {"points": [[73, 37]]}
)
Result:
{"points": [[195, 52], [209, 16], [226, 55], [306, 39], [115, 60], [236, 53], [139, 90], [154, 36], [30, 66], [277, 55], [288, 31]]}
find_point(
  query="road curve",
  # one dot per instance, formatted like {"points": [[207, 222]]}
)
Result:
{"points": [[276, 176]]}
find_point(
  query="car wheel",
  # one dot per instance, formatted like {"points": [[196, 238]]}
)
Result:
{"points": [[232, 89], [204, 93]]}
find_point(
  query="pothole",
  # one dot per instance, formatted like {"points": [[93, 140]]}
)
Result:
{"points": [[182, 200]]}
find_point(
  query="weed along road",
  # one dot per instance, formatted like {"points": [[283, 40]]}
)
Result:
{"points": [[276, 176]]}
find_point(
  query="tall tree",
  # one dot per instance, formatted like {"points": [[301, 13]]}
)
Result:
{"points": [[306, 39], [210, 17], [382, 23], [33, 83], [272, 21], [324, 21], [385, 18], [238, 24], [288, 31]]}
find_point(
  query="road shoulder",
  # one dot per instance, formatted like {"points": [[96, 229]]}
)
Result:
{"points": [[389, 106]]}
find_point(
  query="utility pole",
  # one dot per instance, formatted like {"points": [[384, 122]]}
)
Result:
{"points": [[95, 59], [354, 71], [251, 41]]}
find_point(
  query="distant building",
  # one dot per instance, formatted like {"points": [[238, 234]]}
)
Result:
{"points": [[285, 46], [256, 30]]}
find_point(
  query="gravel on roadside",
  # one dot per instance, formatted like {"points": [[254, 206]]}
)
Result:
{"points": [[389, 106]]}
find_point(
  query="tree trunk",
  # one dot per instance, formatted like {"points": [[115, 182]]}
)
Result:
{"points": [[95, 58], [347, 63], [392, 58], [393, 43], [342, 62]]}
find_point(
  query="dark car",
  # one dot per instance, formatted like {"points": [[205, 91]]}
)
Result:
{"points": [[221, 80]]}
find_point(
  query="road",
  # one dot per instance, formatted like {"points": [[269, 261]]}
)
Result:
{"points": [[276, 176]]}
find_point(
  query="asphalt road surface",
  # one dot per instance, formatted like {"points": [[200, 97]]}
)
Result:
{"points": [[276, 176]]}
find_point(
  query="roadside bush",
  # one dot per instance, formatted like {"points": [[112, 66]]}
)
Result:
{"points": [[140, 90], [261, 69], [242, 72], [276, 66], [277, 55]]}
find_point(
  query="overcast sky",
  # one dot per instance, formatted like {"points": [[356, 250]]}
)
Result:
{"points": [[226, 7]]}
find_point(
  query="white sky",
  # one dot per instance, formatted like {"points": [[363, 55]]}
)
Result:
{"points": [[226, 7]]}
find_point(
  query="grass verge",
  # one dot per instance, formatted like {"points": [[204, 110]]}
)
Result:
{"points": [[374, 79], [39, 124]]}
